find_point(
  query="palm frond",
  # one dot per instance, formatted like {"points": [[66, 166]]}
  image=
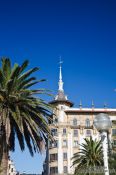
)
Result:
{"points": [[6, 67], [23, 114], [89, 155]]}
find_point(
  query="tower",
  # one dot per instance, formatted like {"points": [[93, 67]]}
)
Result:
{"points": [[59, 149]]}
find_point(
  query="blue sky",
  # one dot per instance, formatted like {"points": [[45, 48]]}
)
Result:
{"points": [[83, 32]]}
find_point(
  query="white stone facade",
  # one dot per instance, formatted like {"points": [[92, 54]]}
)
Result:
{"points": [[70, 126], [11, 168], [75, 132]]}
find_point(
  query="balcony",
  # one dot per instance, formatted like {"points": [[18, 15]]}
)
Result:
{"points": [[88, 127], [75, 126], [53, 160], [72, 125], [60, 174]]}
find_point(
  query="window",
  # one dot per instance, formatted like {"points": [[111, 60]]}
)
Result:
{"points": [[87, 123], [56, 143], [114, 122], [53, 157], [54, 132], [50, 143], [75, 143], [64, 156], [53, 170], [53, 144], [64, 130], [64, 143], [55, 120], [75, 122], [9, 166], [75, 132], [114, 132], [65, 169], [114, 142], [88, 133], [62, 107]]}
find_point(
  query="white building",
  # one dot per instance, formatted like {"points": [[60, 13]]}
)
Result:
{"points": [[11, 168], [70, 126]]}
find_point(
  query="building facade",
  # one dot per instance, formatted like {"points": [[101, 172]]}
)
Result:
{"points": [[69, 127], [11, 168]]}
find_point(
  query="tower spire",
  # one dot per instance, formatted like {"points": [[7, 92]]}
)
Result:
{"points": [[60, 83], [61, 98]]}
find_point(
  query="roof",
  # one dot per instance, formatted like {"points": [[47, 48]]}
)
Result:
{"points": [[91, 110], [61, 98]]}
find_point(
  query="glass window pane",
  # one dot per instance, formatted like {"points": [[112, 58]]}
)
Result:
{"points": [[65, 169], [54, 132], [88, 132], [75, 143], [53, 157], [64, 156], [75, 122], [87, 122], [64, 130], [64, 143], [114, 132], [75, 132], [53, 170]]}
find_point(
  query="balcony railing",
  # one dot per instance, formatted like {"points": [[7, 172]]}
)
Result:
{"points": [[79, 125], [53, 146], [60, 174], [53, 160]]}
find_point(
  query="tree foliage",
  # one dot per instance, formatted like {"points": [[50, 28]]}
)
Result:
{"points": [[22, 112], [89, 156]]}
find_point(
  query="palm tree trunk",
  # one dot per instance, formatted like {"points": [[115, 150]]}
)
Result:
{"points": [[4, 164], [3, 154]]}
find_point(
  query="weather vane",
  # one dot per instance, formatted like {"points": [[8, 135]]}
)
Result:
{"points": [[60, 62]]}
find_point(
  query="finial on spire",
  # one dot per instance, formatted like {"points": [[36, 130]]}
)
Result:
{"points": [[105, 105], [92, 104], [60, 62], [80, 104], [60, 83]]}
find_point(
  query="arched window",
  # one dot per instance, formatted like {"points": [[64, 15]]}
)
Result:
{"points": [[75, 122], [87, 123]]}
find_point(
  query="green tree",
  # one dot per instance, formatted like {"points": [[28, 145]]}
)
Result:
{"points": [[23, 114], [89, 156], [112, 159], [112, 163], [112, 152]]}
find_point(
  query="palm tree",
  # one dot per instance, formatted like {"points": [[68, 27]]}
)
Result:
{"points": [[22, 113], [89, 156]]}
